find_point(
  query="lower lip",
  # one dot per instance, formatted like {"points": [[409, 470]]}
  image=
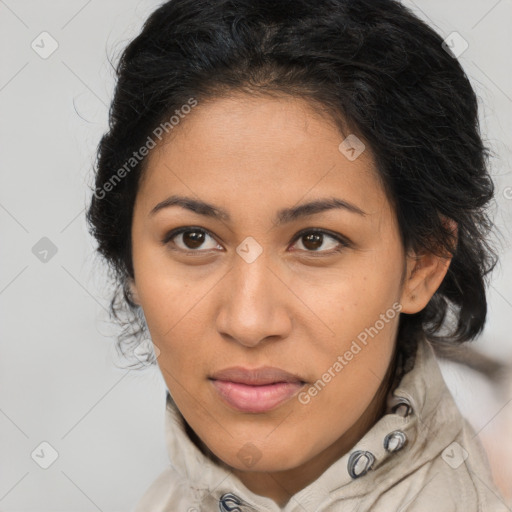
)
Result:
{"points": [[248, 398]]}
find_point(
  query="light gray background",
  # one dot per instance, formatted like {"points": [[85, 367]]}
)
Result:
{"points": [[58, 377]]}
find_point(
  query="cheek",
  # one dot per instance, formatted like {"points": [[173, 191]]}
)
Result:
{"points": [[362, 312], [166, 295], [349, 372], [352, 302], [171, 313], [175, 316]]}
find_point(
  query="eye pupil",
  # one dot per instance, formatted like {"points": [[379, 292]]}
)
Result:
{"points": [[314, 240], [193, 239]]}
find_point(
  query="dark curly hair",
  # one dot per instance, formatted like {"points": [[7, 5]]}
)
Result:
{"points": [[371, 65]]}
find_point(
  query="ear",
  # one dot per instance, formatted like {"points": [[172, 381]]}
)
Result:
{"points": [[131, 290], [424, 274]]}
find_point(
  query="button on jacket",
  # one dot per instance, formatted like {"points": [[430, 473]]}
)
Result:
{"points": [[421, 456]]}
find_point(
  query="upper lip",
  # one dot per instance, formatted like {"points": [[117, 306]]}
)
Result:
{"points": [[255, 377]]}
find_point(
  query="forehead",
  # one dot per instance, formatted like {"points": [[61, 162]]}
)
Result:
{"points": [[269, 149]]}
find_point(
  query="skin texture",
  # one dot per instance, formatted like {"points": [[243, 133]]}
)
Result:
{"points": [[294, 307]]}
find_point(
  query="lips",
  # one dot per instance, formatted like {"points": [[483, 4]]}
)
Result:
{"points": [[255, 391]]}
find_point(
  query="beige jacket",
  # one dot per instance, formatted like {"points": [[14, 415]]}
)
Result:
{"points": [[421, 456]]}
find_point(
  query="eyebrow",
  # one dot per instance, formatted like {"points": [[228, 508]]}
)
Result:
{"points": [[284, 216]]}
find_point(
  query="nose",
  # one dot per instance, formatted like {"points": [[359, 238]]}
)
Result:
{"points": [[253, 304]]}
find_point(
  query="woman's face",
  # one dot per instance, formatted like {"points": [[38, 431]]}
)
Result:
{"points": [[273, 340]]}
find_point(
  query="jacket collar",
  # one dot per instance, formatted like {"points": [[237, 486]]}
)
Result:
{"points": [[421, 419]]}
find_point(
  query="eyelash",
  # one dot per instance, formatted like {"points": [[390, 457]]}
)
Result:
{"points": [[344, 243]]}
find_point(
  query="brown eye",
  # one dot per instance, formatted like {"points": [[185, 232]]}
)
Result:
{"points": [[313, 241], [191, 239], [320, 242]]}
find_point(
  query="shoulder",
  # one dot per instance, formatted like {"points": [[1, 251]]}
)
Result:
{"points": [[458, 480]]}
